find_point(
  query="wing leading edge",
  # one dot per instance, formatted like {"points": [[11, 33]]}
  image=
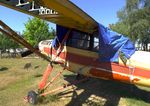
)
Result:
{"points": [[61, 12]]}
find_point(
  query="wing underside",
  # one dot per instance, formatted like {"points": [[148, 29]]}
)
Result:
{"points": [[61, 12]]}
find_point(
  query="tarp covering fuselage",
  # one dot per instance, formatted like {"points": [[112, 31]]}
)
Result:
{"points": [[110, 43]]}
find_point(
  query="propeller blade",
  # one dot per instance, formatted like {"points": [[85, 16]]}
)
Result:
{"points": [[28, 52]]}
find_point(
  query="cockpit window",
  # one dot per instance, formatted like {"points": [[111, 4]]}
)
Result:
{"points": [[79, 40], [84, 41], [95, 43]]}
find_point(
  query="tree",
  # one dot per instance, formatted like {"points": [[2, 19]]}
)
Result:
{"points": [[134, 21], [139, 22], [36, 30], [6, 42], [121, 28], [52, 33]]}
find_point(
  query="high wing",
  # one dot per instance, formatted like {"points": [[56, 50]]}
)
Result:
{"points": [[61, 12]]}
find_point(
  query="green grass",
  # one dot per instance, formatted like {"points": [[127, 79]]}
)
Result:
{"points": [[15, 82]]}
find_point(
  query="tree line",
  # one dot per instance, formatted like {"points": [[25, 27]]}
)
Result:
{"points": [[134, 21], [35, 31]]}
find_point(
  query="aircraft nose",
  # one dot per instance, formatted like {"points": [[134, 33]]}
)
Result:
{"points": [[44, 44], [41, 46]]}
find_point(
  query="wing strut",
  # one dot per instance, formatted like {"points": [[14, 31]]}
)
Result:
{"points": [[12, 34]]}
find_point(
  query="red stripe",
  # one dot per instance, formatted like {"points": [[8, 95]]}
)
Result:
{"points": [[106, 65], [47, 50], [84, 60], [108, 75]]}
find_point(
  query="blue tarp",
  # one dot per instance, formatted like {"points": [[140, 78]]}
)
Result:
{"points": [[60, 32], [110, 43]]}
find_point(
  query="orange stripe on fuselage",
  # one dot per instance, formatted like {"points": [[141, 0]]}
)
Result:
{"points": [[89, 61], [94, 62], [107, 75], [47, 50]]}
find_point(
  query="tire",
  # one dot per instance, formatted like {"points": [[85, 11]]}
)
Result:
{"points": [[80, 77], [32, 97]]}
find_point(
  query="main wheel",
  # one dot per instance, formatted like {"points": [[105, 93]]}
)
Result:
{"points": [[32, 97], [80, 77]]}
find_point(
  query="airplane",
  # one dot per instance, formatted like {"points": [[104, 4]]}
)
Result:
{"points": [[82, 46]]}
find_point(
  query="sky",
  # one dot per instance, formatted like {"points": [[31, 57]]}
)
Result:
{"points": [[103, 11]]}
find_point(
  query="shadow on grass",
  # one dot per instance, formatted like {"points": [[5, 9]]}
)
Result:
{"points": [[27, 66], [110, 91], [97, 92], [48, 99], [3, 68], [36, 67], [38, 75]]}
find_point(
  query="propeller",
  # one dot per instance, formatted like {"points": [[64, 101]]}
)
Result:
{"points": [[17, 38], [28, 52]]}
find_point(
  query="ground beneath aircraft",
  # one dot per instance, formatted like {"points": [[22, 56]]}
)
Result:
{"points": [[18, 76]]}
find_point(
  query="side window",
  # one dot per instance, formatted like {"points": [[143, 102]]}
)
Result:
{"points": [[79, 40], [96, 43]]}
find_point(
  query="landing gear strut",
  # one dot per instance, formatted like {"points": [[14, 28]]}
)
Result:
{"points": [[34, 97]]}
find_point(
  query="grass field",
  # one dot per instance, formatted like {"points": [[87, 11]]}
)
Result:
{"points": [[15, 82]]}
